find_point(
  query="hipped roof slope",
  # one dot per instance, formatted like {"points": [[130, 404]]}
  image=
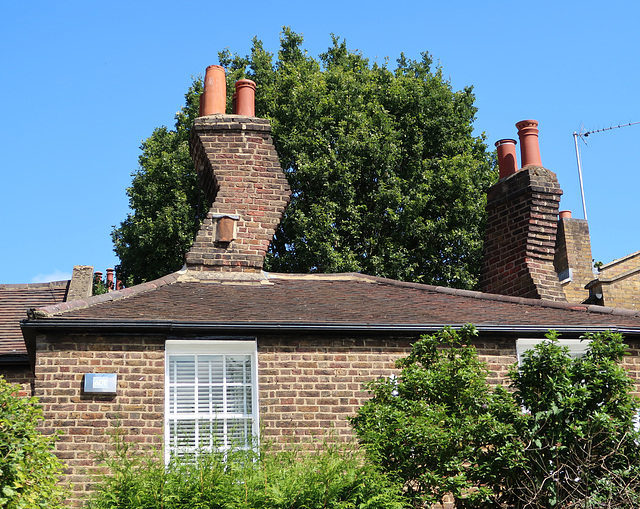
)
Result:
{"points": [[332, 300]]}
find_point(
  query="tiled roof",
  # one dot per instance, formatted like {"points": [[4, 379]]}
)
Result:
{"points": [[15, 300], [331, 299]]}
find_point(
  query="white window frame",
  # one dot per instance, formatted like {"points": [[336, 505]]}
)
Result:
{"points": [[577, 347], [201, 348]]}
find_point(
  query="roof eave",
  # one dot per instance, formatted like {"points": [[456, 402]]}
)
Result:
{"points": [[187, 327]]}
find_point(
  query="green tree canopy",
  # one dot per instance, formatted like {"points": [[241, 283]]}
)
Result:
{"points": [[387, 177]]}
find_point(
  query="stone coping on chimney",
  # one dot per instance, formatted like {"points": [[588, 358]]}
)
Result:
{"points": [[220, 122]]}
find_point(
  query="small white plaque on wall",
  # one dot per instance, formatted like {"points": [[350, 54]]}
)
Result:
{"points": [[101, 383]]}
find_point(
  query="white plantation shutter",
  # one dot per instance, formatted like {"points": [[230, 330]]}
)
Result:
{"points": [[211, 391]]}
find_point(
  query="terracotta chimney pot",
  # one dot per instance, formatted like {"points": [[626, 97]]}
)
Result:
{"points": [[507, 160], [246, 98], [215, 91], [565, 214], [110, 279], [529, 148]]}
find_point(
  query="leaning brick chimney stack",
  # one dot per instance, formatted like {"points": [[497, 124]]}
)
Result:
{"points": [[245, 186], [522, 218]]}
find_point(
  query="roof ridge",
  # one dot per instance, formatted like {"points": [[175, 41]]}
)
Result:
{"points": [[544, 303], [619, 260], [29, 286], [125, 293]]}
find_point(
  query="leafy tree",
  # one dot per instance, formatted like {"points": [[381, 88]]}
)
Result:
{"points": [[387, 177], [29, 471], [563, 437], [166, 202]]}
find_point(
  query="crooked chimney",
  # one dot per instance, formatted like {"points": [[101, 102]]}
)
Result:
{"points": [[522, 218], [243, 181]]}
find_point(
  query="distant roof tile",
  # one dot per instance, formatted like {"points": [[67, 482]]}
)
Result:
{"points": [[15, 300]]}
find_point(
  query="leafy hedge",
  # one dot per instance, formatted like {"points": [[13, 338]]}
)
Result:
{"points": [[564, 436], [334, 477], [29, 471]]}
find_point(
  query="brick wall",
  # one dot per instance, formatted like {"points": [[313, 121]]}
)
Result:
{"points": [[519, 246], [241, 175], [85, 419], [19, 375], [573, 251], [309, 386], [619, 283], [622, 292]]}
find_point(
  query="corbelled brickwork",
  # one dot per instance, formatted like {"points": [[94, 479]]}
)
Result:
{"points": [[573, 261], [241, 176], [521, 233]]}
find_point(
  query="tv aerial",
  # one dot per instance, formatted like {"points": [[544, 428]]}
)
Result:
{"points": [[584, 134]]}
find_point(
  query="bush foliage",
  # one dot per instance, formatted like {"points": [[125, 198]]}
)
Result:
{"points": [[29, 471], [333, 477], [564, 436]]}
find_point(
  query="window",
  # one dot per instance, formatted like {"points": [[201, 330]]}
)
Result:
{"points": [[577, 347], [210, 395]]}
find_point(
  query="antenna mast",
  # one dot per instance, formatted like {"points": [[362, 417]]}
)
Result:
{"points": [[583, 136], [584, 205]]}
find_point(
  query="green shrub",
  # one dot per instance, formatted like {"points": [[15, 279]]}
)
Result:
{"points": [[438, 427], [29, 471], [563, 437], [578, 434], [332, 477]]}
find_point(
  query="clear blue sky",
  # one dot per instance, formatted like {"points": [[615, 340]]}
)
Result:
{"points": [[83, 83]]}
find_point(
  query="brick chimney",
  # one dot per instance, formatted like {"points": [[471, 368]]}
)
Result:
{"points": [[247, 190], [522, 219], [573, 261]]}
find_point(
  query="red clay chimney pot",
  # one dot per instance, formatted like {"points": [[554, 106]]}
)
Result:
{"points": [[565, 214], [215, 91], [109, 279], [246, 98], [529, 148], [507, 160]]}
